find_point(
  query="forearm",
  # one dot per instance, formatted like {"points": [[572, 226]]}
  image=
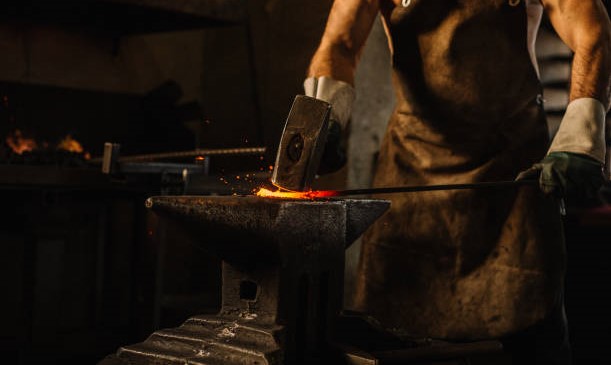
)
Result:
{"points": [[347, 28], [330, 60], [584, 26], [591, 75]]}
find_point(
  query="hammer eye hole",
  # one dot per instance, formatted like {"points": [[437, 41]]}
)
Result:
{"points": [[248, 290], [295, 148]]}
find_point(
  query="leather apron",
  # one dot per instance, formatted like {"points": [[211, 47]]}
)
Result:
{"points": [[461, 264]]}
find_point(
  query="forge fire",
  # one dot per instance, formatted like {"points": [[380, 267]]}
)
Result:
{"points": [[20, 144]]}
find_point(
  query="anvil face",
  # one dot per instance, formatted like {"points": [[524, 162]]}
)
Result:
{"points": [[249, 228]]}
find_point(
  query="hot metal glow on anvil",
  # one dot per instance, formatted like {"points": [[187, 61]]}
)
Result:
{"points": [[283, 266]]}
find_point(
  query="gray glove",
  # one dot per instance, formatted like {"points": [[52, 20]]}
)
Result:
{"points": [[334, 155], [574, 163], [566, 174]]}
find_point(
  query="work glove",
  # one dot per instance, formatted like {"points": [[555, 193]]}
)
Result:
{"points": [[340, 95], [334, 155], [566, 174], [573, 166]]}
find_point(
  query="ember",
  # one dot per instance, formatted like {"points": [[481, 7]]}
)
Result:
{"points": [[70, 144], [20, 144], [283, 194], [25, 150]]}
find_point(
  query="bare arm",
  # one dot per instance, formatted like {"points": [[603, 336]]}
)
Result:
{"points": [[347, 29], [584, 26]]}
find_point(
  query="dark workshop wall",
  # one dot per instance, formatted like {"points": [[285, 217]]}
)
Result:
{"points": [[52, 55], [61, 80], [251, 74], [245, 75]]}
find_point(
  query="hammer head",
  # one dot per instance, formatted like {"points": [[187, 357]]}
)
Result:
{"points": [[302, 144]]}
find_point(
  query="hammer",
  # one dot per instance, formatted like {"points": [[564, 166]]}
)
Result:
{"points": [[302, 144]]}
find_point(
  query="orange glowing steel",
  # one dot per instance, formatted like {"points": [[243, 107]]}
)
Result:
{"points": [[279, 194], [20, 144]]}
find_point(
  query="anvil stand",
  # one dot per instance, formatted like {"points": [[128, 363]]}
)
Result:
{"points": [[283, 267]]}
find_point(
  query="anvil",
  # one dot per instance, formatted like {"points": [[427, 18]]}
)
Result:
{"points": [[283, 268]]}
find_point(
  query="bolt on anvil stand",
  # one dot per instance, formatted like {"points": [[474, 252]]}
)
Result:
{"points": [[283, 267]]}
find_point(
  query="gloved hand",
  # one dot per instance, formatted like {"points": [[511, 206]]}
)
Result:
{"points": [[573, 166], [334, 155], [340, 95], [566, 174]]}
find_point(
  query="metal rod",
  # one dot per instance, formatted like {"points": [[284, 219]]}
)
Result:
{"points": [[191, 153], [410, 189]]}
